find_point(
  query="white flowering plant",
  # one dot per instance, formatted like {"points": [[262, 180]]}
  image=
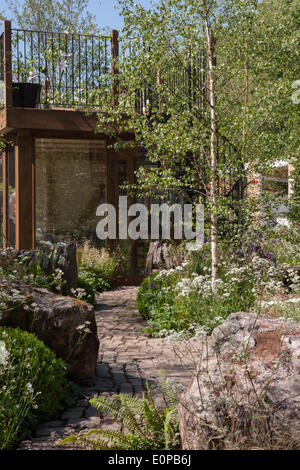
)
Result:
{"points": [[174, 301]]}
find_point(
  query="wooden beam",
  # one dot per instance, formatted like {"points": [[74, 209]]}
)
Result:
{"points": [[8, 98], [25, 192], [16, 119]]}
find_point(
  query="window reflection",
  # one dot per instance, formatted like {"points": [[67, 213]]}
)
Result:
{"points": [[70, 184]]}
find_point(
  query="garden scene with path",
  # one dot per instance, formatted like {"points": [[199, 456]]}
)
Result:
{"points": [[150, 226], [127, 359]]}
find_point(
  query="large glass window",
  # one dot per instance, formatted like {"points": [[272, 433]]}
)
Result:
{"points": [[70, 184]]}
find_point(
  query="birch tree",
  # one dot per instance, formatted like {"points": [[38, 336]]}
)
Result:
{"points": [[213, 112]]}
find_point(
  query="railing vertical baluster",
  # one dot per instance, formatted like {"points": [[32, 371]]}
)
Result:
{"points": [[31, 50], [24, 79], [72, 42], [105, 56], [53, 85], [59, 70], [93, 83], [39, 56], [7, 56], [79, 68], [114, 65], [86, 72], [66, 76], [99, 70], [46, 78], [18, 56]]}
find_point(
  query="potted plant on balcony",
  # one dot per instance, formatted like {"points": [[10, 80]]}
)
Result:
{"points": [[26, 93]]}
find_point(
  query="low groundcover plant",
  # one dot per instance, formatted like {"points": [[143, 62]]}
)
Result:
{"points": [[32, 384]]}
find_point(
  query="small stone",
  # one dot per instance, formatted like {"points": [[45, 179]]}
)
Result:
{"points": [[90, 423], [82, 403], [126, 388], [40, 432], [73, 413], [92, 413], [53, 424], [102, 370]]}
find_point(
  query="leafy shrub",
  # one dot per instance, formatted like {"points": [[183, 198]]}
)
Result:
{"points": [[148, 428], [145, 297], [32, 383], [92, 282]]}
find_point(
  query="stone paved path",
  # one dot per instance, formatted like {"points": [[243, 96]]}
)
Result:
{"points": [[127, 359]]}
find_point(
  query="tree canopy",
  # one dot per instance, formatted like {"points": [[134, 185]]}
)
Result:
{"points": [[53, 15]]}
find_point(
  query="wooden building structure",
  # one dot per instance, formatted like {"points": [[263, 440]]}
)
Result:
{"points": [[57, 169]]}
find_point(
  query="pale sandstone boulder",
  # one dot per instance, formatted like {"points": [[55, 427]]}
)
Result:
{"points": [[54, 319], [247, 357]]}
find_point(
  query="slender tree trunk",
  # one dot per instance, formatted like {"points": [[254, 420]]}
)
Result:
{"points": [[213, 159], [245, 103]]}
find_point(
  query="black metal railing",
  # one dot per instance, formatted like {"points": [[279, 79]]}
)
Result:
{"points": [[72, 70]]}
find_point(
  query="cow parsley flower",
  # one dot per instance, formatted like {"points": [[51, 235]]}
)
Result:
{"points": [[3, 354], [29, 388]]}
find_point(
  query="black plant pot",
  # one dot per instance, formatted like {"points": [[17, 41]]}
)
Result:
{"points": [[26, 95]]}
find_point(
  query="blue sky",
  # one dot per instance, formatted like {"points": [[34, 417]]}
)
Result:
{"points": [[105, 11], [107, 14]]}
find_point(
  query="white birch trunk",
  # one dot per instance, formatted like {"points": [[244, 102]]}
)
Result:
{"points": [[213, 162]]}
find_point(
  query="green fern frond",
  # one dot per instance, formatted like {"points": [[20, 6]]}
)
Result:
{"points": [[170, 425], [167, 390], [109, 406], [146, 426], [69, 440]]}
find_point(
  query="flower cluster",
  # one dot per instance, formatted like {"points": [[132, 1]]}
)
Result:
{"points": [[84, 327], [79, 293], [3, 354]]}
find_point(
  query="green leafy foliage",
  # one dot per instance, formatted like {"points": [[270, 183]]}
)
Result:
{"points": [[97, 269], [91, 280], [252, 268], [32, 384], [34, 273], [57, 15], [147, 427], [146, 295]]}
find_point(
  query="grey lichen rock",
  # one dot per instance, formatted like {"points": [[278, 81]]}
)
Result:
{"points": [[51, 256], [248, 361], [55, 319]]}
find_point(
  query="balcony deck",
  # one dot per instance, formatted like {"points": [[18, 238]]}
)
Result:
{"points": [[54, 122]]}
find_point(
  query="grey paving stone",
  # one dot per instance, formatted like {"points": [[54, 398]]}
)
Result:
{"points": [[84, 403], [92, 413], [51, 424], [40, 432], [102, 370], [73, 413], [126, 388], [123, 347]]}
